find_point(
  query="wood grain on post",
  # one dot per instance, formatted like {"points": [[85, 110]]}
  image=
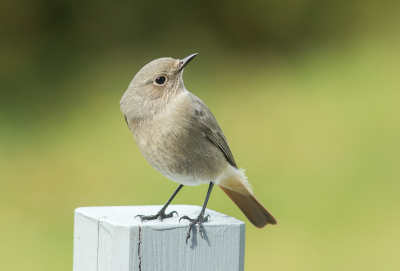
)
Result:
{"points": [[110, 238]]}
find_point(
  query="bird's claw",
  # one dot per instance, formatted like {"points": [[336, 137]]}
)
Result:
{"points": [[160, 215], [199, 220]]}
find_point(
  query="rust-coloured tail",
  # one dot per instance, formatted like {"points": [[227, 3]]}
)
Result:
{"points": [[251, 207]]}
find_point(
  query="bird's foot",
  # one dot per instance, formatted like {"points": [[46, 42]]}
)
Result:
{"points": [[160, 215], [199, 220]]}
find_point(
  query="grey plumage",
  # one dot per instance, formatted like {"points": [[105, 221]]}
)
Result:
{"points": [[180, 137]]}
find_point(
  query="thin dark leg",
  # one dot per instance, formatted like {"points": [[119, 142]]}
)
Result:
{"points": [[200, 219], [172, 197], [207, 197], [161, 214]]}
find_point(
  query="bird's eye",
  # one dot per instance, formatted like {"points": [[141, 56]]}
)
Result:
{"points": [[160, 80]]}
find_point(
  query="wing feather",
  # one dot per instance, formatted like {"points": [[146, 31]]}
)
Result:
{"points": [[211, 128]]}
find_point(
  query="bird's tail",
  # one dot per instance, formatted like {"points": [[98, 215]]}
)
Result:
{"points": [[237, 188]]}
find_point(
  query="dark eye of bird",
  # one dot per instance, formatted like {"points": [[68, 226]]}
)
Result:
{"points": [[161, 80]]}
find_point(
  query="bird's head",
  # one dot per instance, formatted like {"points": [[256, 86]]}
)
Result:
{"points": [[154, 86]]}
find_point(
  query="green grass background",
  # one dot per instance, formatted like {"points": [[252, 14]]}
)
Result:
{"points": [[318, 133]]}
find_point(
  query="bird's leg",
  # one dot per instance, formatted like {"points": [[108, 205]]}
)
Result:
{"points": [[161, 214], [200, 219]]}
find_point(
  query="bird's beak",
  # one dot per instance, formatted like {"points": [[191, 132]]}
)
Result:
{"points": [[185, 61]]}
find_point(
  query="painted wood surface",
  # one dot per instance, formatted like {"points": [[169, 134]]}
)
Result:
{"points": [[110, 238]]}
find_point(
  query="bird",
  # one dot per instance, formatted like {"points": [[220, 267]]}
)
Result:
{"points": [[179, 136]]}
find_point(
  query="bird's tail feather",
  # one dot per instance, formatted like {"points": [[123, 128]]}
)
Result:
{"points": [[235, 185], [253, 209]]}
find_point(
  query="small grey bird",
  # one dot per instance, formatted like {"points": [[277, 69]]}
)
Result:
{"points": [[180, 137]]}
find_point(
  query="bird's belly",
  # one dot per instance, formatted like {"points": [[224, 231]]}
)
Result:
{"points": [[192, 170], [185, 179], [184, 156]]}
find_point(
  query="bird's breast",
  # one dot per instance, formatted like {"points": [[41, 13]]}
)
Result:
{"points": [[175, 145]]}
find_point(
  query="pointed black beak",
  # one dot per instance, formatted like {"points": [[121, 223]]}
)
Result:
{"points": [[185, 61]]}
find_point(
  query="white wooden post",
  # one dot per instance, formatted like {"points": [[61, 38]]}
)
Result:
{"points": [[110, 238]]}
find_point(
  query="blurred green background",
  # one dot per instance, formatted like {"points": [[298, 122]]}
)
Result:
{"points": [[307, 93]]}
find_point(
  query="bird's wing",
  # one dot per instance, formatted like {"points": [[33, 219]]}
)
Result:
{"points": [[126, 120], [211, 128]]}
